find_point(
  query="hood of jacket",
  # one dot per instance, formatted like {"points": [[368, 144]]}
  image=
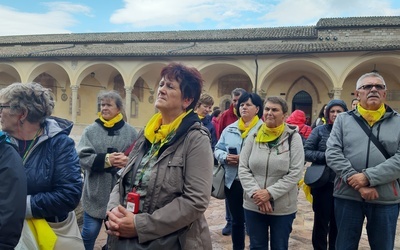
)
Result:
{"points": [[332, 103], [298, 117]]}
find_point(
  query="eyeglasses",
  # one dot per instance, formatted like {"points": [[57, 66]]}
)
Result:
{"points": [[4, 106], [370, 86]]}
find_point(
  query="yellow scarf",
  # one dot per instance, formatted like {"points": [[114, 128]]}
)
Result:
{"points": [[156, 132], [44, 234], [235, 111], [201, 117], [371, 116], [110, 123], [323, 120], [242, 126], [266, 134]]}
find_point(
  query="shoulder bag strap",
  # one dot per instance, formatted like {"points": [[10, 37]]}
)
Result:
{"points": [[372, 137]]}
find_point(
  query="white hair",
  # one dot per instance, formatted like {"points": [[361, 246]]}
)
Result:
{"points": [[370, 74]]}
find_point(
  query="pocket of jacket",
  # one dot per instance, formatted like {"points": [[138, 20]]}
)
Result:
{"points": [[174, 175]]}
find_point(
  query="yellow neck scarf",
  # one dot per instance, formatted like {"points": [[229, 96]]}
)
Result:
{"points": [[201, 117], [155, 131], [371, 116], [242, 126], [235, 111], [266, 134], [110, 123]]}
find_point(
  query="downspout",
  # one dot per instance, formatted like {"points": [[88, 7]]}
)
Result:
{"points": [[256, 81]]}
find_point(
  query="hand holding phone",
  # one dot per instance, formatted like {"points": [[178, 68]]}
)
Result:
{"points": [[232, 151]]}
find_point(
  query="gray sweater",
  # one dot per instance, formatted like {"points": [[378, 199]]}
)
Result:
{"points": [[95, 143]]}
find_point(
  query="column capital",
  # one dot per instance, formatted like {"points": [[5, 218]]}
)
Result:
{"points": [[74, 87]]}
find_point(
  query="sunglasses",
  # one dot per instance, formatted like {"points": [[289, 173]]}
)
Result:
{"points": [[370, 86]]}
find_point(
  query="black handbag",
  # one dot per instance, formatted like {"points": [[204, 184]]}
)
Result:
{"points": [[316, 175]]}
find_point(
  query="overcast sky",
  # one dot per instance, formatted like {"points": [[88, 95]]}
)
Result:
{"points": [[22, 17]]}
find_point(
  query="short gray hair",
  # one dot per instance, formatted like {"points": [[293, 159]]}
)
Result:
{"points": [[238, 92], [370, 74], [278, 100], [32, 98], [111, 95]]}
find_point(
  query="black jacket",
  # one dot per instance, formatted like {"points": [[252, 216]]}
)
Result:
{"points": [[13, 195], [315, 146]]}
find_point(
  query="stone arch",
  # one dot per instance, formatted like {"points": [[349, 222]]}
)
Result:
{"points": [[225, 101], [302, 100], [8, 75], [310, 82], [53, 75], [214, 68], [387, 64]]}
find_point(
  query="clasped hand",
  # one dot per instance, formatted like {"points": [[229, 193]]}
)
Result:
{"points": [[118, 160], [262, 199], [121, 223], [368, 193], [358, 181]]}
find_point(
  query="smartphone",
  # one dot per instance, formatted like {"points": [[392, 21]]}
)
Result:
{"points": [[111, 150], [232, 151]]}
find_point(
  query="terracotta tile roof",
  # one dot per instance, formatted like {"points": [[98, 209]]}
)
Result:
{"points": [[234, 42]]}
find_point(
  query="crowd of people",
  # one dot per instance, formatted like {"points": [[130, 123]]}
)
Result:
{"points": [[151, 188]]}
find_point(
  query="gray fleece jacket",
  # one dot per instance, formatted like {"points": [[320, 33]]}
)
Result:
{"points": [[277, 169], [350, 151]]}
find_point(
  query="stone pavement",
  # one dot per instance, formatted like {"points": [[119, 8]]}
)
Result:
{"points": [[300, 238]]}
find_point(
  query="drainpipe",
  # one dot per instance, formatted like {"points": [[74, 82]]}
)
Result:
{"points": [[256, 82]]}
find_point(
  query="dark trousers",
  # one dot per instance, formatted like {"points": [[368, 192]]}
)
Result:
{"points": [[324, 218], [381, 224], [228, 216], [273, 228], [234, 196]]}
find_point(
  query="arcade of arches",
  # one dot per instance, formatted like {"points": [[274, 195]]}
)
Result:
{"points": [[306, 82]]}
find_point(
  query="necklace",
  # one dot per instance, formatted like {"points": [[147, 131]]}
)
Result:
{"points": [[32, 143]]}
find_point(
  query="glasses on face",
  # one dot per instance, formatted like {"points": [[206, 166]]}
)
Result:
{"points": [[370, 86], [3, 106]]}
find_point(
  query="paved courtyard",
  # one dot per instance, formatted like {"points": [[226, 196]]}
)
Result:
{"points": [[300, 238]]}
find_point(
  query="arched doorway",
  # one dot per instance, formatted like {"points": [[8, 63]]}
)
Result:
{"points": [[303, 101]]}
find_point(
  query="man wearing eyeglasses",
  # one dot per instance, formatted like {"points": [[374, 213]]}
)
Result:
{"points": [[367, 168]]}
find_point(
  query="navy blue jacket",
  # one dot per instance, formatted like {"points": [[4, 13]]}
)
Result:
{"points": [[13, 195], [53, 173], [206, 121]]}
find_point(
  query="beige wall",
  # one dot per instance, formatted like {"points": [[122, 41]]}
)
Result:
{"points": [[317, 74]]}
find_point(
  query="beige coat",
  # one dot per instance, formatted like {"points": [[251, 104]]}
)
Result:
{"points": [[277, 169], [182, 187]]}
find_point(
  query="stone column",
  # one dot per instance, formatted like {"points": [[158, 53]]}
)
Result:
{"points": [[337, 93], [128, 100], [74, 97]]}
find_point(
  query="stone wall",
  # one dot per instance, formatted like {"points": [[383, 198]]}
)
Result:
{"points": [[360, 34]]}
